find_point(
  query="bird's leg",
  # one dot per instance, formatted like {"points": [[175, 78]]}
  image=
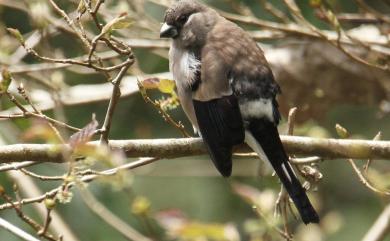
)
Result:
{"points": [[282, 207]]}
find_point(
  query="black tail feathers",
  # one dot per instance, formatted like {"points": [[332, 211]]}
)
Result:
{"points": [[304, 207], [266, 134]]}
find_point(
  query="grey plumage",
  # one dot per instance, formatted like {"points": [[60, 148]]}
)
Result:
{"points": [[228, 91]]}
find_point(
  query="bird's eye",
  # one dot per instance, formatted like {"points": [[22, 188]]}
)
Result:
{"points": [[183, 18]]}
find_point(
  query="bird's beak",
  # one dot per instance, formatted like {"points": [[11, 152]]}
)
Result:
{"points": [[168, 31]]}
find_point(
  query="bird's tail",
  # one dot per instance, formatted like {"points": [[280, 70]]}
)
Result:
{"points": [[266, 134]]}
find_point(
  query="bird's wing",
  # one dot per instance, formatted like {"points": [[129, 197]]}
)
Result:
{"points": [[233, 62], [216, 107], [221, 127]]}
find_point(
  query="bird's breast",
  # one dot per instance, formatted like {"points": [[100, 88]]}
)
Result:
{"points": [[184, 67]]}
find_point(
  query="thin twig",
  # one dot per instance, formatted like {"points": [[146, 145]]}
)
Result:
{"points": [[23, 93], [167, 117], [364, 181], [38, 114], [37, 227], [368, 163], [70, 23], [110, 218], [41, 177], [46, 225], [16, 166], [88, 178], [306, 160], [273, 227], [282, 204], [274, 11]]}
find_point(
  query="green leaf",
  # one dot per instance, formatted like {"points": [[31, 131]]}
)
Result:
{"points": [[140, 206], [16, 34], [6, 80], [333, 19], [315, 3], [166, 86], [81, 8]]}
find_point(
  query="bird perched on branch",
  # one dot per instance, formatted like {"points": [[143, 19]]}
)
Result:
{"points": [[228, 91]]}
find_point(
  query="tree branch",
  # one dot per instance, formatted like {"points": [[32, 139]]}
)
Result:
{"points": [[166, 148], [116, 94]]}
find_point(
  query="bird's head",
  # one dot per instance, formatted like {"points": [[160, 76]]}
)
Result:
{"points": [[188, 21]]}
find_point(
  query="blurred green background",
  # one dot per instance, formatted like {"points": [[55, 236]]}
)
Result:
{"points": [[191, 184]]}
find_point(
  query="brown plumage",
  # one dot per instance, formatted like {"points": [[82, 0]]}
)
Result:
{"points": [[228, 91]]}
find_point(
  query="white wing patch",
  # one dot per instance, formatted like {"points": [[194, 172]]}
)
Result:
{"points": [[257, 109], [286, 172]]}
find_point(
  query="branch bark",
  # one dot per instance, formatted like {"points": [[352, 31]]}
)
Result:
{"points": [[166, 148]]}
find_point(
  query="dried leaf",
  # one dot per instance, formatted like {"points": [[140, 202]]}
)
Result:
{"points": [[312, 173], [151, 83], [84, 135]]}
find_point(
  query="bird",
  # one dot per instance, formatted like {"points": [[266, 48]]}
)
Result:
{"points": [[228, 91]]}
